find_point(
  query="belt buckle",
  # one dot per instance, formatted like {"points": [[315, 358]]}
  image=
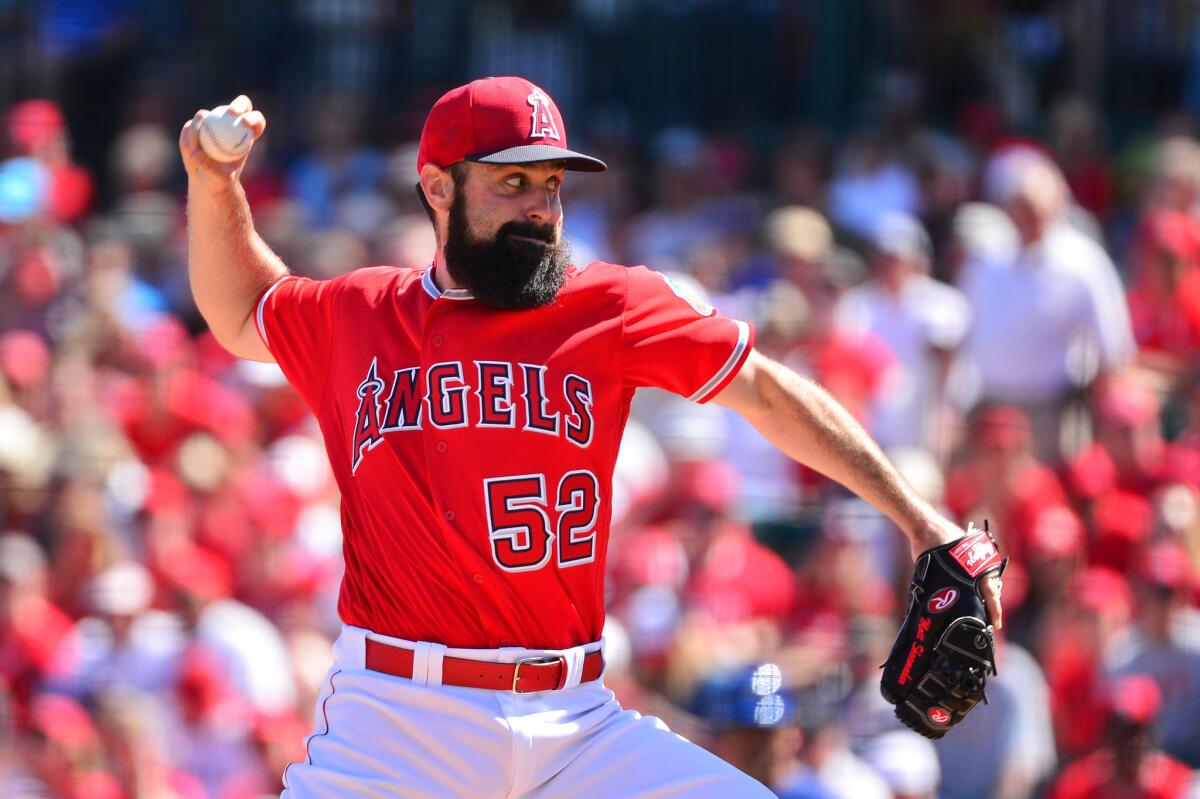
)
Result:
{"points": [[536, 660]]}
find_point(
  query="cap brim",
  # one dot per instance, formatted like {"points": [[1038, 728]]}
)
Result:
{"points": [[533, 153]]}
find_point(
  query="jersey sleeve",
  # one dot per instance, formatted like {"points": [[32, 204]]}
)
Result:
{"points": [[677, 343], [295, 318]]}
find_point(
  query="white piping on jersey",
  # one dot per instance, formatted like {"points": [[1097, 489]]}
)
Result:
{"points": [[430, 286], [258, 314], [734, 357]]}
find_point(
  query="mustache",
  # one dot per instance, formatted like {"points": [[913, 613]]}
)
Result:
{"points": [[529, 229]]}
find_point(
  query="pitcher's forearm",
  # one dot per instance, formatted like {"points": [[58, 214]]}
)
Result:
{"points": [[228, 266], [228, 263]]}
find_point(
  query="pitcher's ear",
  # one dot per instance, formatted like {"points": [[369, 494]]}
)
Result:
{"points": [[438, 185]]}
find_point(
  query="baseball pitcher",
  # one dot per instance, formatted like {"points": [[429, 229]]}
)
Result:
{"points": [[471, 411]]}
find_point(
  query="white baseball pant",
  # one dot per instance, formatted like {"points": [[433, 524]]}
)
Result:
{"points": [[379, 736]]}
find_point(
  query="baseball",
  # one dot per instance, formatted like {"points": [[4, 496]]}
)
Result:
{"points": [[224, 137]]}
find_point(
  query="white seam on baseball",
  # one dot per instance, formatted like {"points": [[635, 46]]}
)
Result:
{"points": [[727, 367], [216, 142], [258, 314]]}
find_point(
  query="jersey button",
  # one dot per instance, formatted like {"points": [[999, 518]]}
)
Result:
{"points": [[477, 577], [438, 341], [441, 446], [449, 515]]}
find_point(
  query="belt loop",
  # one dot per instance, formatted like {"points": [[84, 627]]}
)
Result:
{"points": [[420, 667], [573, 663], [433, 664], [350, 648]]}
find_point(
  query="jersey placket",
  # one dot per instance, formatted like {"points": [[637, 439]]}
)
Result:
{"points": [[433, 438]]}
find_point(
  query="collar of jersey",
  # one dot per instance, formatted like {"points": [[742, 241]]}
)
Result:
{"points": [[431, 288]]}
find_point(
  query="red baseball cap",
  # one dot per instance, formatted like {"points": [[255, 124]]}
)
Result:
{"points": [[1136, 699], [498, 121]]}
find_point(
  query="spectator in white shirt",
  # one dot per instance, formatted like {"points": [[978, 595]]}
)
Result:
{"points": [[1049, 322], [922, 320]]}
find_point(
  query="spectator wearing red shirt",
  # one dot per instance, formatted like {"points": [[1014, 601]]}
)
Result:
{"points": [[1097, 603], [1000, 479], [1164, 302], [1129, 454], [1128, 765], [730, 575], [31, 627]]}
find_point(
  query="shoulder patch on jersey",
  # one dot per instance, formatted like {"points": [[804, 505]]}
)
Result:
{"points": [[688, 295]]}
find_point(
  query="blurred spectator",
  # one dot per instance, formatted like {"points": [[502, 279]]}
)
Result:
{"points": [[211, 725], [681, 214], [921, 320], [1062, 287], [1001, 480], [731, 576], [1076, 633], [908, 763], [339, 167], [140, 753], [1163, 643], [31, 627], [801, 243], [1076, 138], [1129, 764], [65, 752], [38, 130], [124, 644], [801, 167], [1009, 742], [249, 645], [1164, 300], [750, 715], [978, 232], [1130, 457], [870, 182], [1176, 175]]}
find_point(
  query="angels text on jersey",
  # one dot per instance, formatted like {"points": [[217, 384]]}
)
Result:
{"points": [[454, 394]]}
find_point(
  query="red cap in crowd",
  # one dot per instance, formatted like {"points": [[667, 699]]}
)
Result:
{"points": [[1171, 231], [1136, 699], [35, 122], [1166, 564], [24, 357], [1125, 402], [1098, 588], [498, 121], [1057, 532]]}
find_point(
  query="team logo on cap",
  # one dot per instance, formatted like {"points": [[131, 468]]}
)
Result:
{"points": [[543, 126]]}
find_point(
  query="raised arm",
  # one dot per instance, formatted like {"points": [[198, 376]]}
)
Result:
{"points": [[228, 262], [804, 422]]}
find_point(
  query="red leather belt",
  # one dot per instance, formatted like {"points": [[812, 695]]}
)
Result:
{"points": [[526, 676]]}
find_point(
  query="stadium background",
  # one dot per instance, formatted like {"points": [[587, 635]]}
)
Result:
{"points": [[169, 556]]}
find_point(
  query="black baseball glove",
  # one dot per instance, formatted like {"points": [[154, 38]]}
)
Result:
{"points": [[938, 667]]}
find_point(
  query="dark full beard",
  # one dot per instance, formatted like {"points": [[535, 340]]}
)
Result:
{"points": [[504, 272]]}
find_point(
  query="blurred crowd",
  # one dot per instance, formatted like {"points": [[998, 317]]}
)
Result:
{"points": [[1015, 319]]}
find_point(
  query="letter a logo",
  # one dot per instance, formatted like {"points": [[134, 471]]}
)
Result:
{"points": [[543, 126], [366, 419]]}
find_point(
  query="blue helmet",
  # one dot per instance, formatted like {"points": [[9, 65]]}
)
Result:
{"points": [[749, 697]]}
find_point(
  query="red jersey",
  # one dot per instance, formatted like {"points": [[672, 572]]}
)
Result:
{"points": [[1094, 777], [474, 448]]}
